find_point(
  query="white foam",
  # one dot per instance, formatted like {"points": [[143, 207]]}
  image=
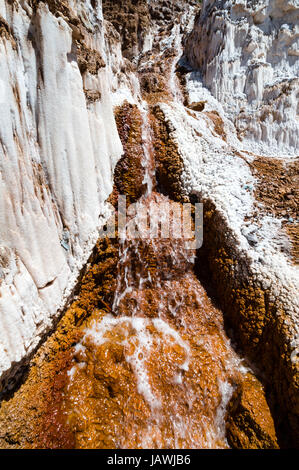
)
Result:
{"points": [[142, 341]]}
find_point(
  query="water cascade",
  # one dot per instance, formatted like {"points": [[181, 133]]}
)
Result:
{"points": [[141, 357], [158, 370]]}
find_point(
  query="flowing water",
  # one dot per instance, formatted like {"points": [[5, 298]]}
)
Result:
{"points": [[158, 371], [154, 368]]}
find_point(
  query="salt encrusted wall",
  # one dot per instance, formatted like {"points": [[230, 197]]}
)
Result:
{"points": [[248, 55], [60, 70], [58, 148], [242, 88]]}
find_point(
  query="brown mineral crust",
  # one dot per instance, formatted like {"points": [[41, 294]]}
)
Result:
{"points": [[257, 322], [6, 32], [129, 173], [277, 194], [154, 79], [55, 6], [218, 123], [92, 96], [89, 60], [197, 106], [131, 20], [99, 281], [168, 12], [249, 423], [169, 164], [42, 423], [52, 430], [154, 86]]}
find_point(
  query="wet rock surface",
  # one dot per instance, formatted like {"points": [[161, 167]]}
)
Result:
{"points": [[249, 424], [142, 357], [129, 173]]}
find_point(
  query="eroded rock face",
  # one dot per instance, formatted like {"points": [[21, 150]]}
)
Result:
{"points": [[141, 310], [132, 21], [247, 53], [59, 145], [249, 424], [141, 359], [138, 21]]}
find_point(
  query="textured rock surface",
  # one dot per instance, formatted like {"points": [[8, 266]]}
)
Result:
{"points": [[159, 372], [247, 53], [236, 99], [58, 150], [246, 243], [249, 424], [245, 247]]}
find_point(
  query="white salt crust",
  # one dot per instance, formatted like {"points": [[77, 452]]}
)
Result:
{"points": [[214, 172], [57, 155], [248, 56]]}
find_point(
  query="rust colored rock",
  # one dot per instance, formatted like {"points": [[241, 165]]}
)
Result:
{"points": [[277, 191], [197, 106], [89, 60], [131, 20], [153, 83], [169, 165], [218, 124], [129, 173], [249, 421]]}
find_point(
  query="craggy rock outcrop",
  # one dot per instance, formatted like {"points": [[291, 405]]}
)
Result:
{"points": [[250, 424], [129, 174], [250, 240], [247, 53], [131, 20], [58, 147], [208, 105], [141, 358], [137, 22]]}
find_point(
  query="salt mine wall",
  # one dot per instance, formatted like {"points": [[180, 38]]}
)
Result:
{"points": [[213, 86], [247, 53], [59, 146]]}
